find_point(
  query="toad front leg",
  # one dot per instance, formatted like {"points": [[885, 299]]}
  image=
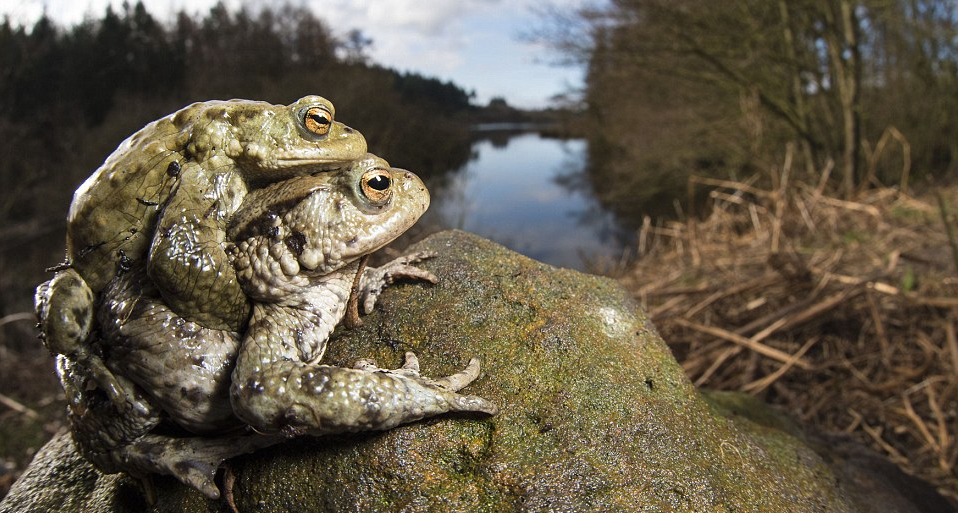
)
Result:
{"points": [[376, 279], [278, 384]]}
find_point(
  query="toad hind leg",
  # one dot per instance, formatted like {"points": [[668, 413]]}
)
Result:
{"points": [[65, 308], [277, 387], [191, 460], [321, 399], [119, 439]]}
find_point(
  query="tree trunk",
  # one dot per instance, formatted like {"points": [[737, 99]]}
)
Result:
{"points": [[841, 37], [851, 104], [798, 89]]}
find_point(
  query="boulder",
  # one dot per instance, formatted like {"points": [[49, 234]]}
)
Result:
{"points": [[596, 415]]}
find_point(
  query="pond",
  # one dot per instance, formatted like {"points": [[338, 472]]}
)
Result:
{"points": [[522, 191]]}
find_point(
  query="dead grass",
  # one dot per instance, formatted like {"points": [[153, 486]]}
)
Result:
{"points": [[843, 312]]}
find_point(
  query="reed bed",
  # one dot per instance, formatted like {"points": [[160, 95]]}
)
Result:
{"points": [[843, 312]]}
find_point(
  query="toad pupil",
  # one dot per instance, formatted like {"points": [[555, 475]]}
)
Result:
{"points": [[318, 119], [380, 182]]}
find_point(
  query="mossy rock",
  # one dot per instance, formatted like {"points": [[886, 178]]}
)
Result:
{"points": [[596, 415]]}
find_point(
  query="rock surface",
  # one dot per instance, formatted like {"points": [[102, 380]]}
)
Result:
{"points": [[596, 415]]}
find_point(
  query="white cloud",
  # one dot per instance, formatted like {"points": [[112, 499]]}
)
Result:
{"points": [[411, 34], [426, 19]]}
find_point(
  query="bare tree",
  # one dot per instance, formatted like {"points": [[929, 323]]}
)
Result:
{"points": [[831, 75]]}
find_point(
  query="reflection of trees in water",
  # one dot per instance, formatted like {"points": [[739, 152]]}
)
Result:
{"points": [[627, 192], [451, 182], [458, 206], [499, 140], [564, 192], [575, 175]]}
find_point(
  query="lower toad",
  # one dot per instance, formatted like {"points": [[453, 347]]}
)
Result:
{"points": [[214, 394]]}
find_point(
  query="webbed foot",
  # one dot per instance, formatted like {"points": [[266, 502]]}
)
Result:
{"points": [[119, 391], [193, 460], [443, 388]]}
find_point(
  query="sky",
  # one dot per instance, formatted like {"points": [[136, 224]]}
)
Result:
{"points": [[476, 44]]}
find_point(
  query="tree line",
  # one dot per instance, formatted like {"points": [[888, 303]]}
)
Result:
{"points": [[130, 51], [70, 95], [867, 88]]}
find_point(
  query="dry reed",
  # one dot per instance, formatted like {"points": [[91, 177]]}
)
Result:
{"points": [[842, 312]]}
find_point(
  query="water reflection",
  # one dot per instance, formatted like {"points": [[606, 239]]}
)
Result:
{"points": [[521, 191]]}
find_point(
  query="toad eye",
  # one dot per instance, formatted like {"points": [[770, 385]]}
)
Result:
{"points": [[318, 120], [376, 184]]}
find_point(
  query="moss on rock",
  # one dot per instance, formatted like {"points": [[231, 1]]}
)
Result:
{"points": [[596, 415]]}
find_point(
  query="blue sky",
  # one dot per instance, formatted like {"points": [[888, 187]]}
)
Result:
{"points": [[474, 43]]}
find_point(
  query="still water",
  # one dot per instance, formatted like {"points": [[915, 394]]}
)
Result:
{"points": [[512, 191]]}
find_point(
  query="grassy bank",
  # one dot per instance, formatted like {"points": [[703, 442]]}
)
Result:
{"points": [[842, 312]]}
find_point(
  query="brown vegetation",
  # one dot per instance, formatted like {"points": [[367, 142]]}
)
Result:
{"points": [[841, 311]]}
